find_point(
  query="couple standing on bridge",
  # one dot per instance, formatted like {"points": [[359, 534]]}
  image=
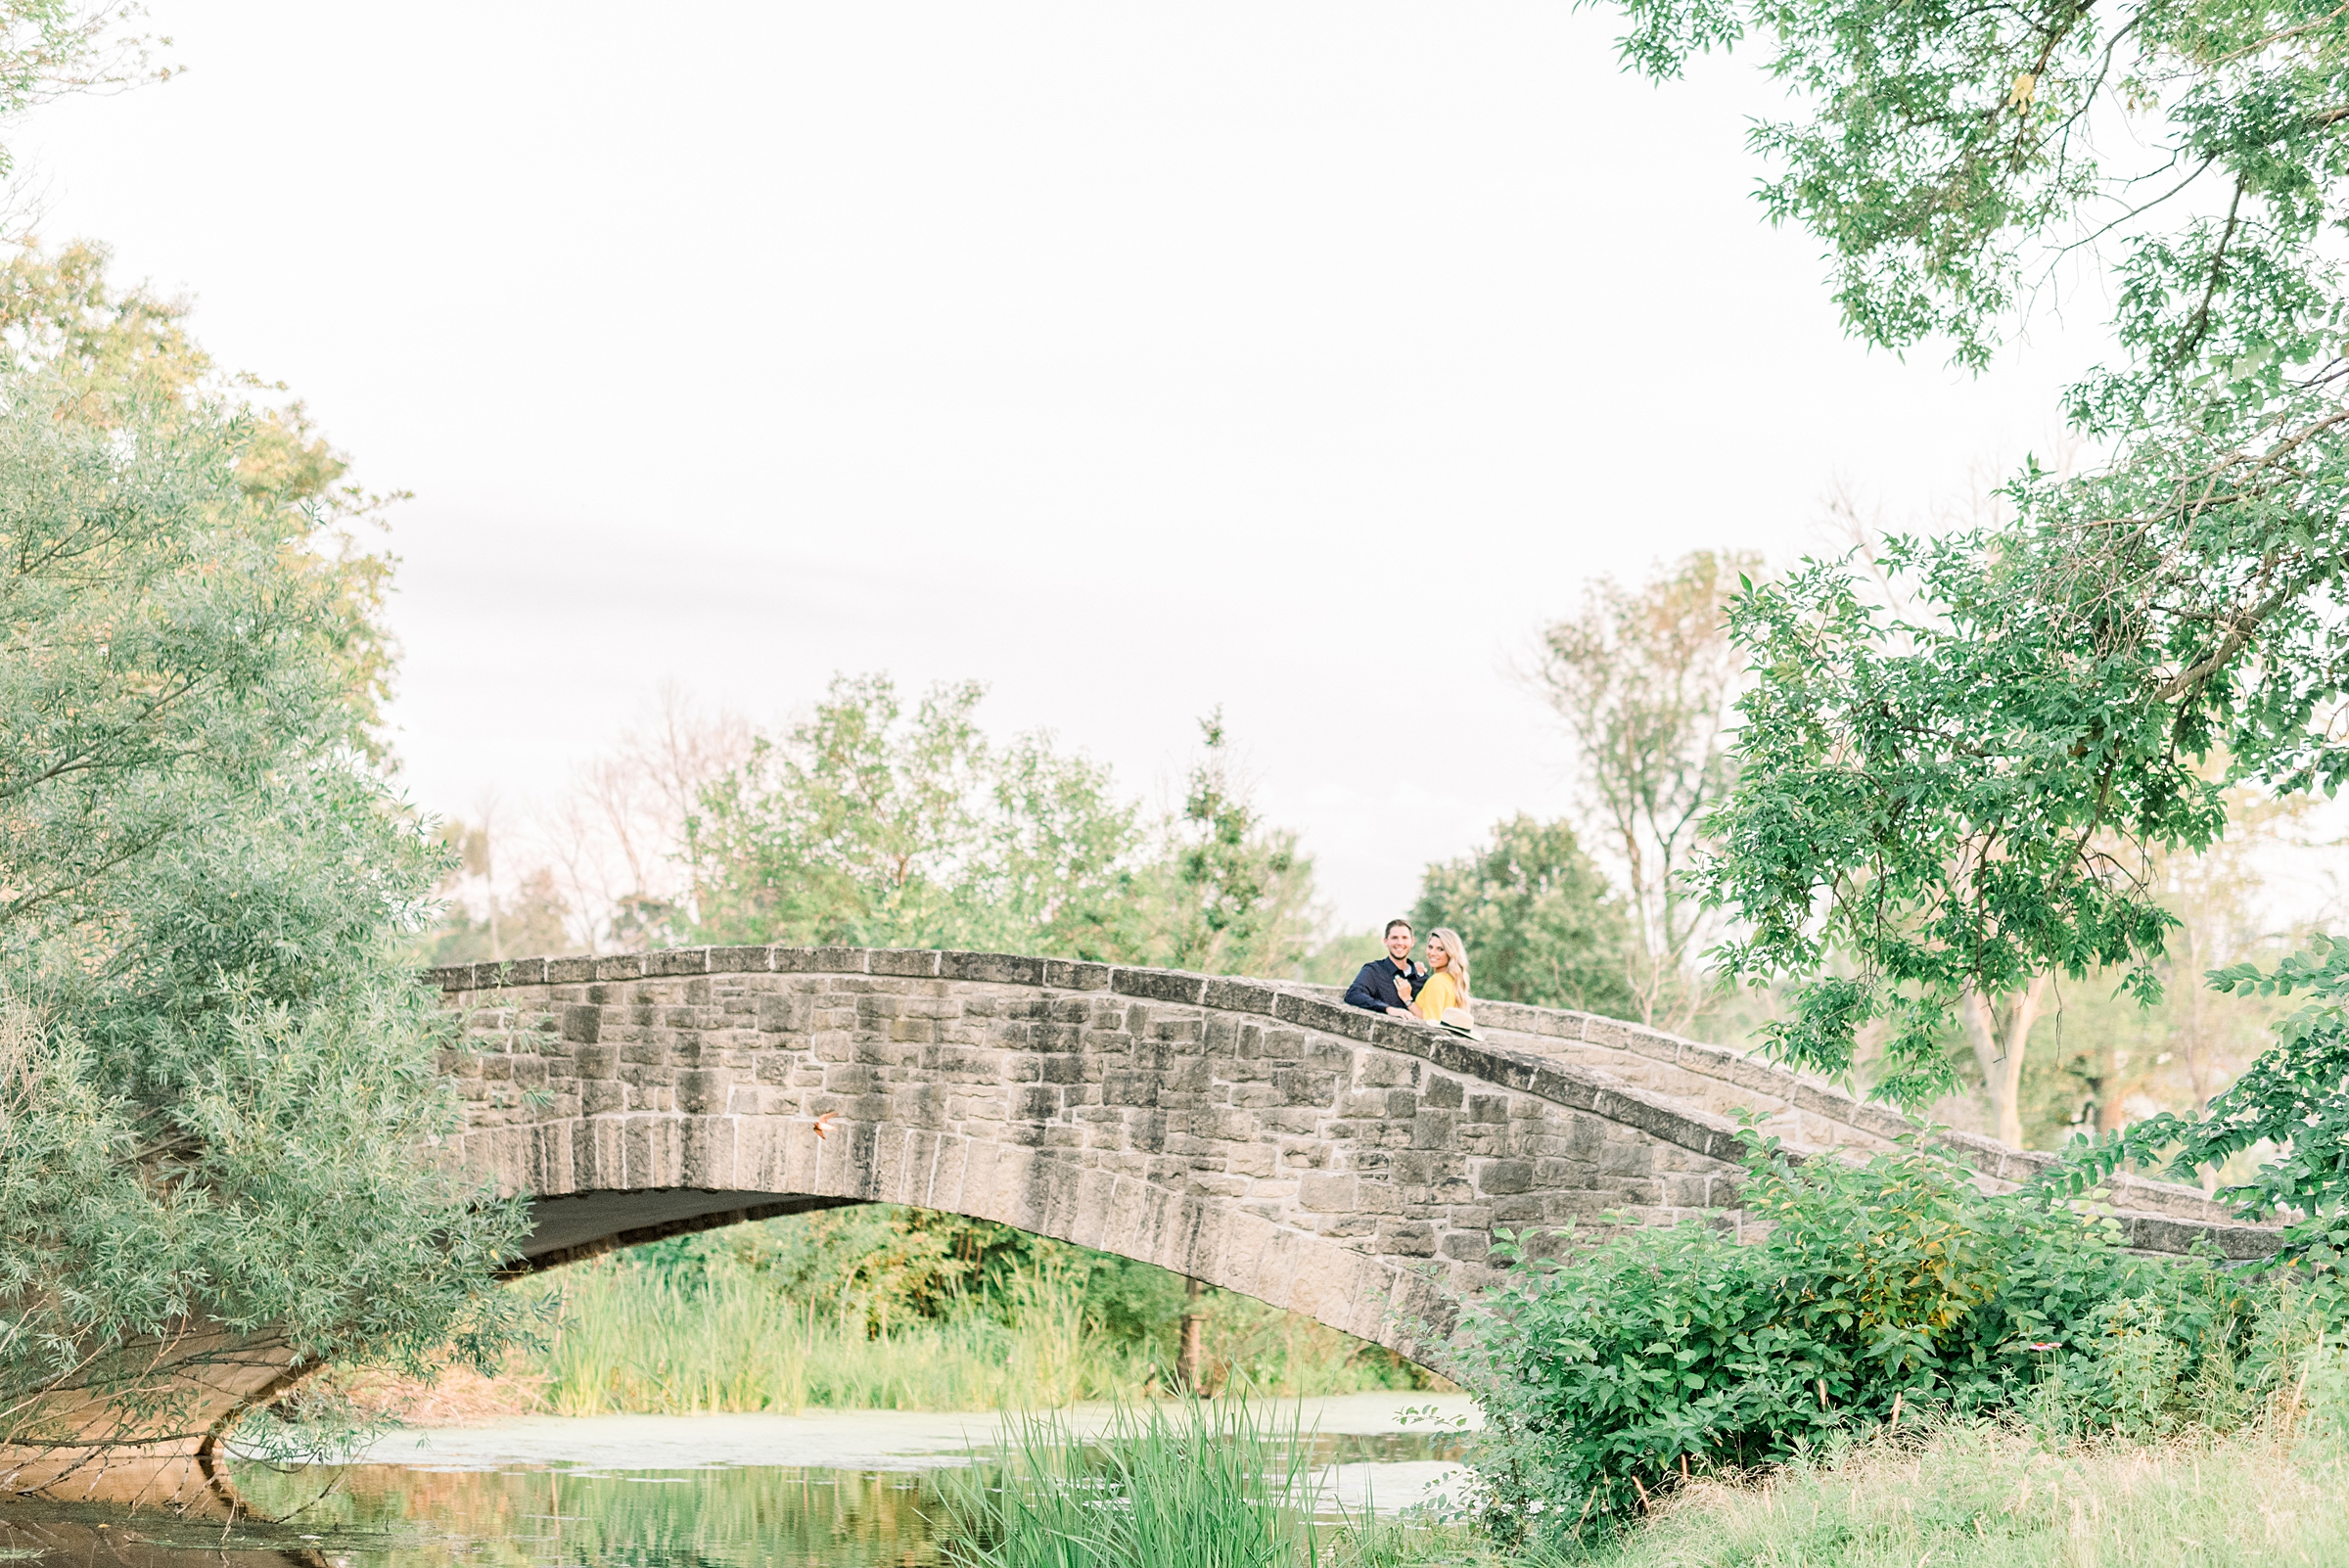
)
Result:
{"points": [[1435, 992]]}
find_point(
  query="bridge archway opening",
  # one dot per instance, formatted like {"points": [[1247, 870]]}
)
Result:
{"points": [[583, 1227]]}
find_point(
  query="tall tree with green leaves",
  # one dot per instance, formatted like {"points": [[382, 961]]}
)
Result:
{"points": [[1540, 923], [1644, 679], [884, 823], [1237, 894], [219, 1078], [880, 822], [1966, 798]]}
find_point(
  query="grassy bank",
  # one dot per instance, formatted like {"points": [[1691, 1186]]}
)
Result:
{"points": [[1984, 1497], [1180, 1486]]}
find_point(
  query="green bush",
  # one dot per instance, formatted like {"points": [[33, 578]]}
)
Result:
{"points": [[1882, 1292]]}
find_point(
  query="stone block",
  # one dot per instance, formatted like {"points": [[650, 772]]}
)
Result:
{"points": [[992, 968], [1158, 985], [1331, 1017], [782, 1014], [1249, 1160], [1062, 974], [915, 962], [1386, 1070], [1298, 1086], [819, 960], [704, 1091], [1329, 1192], [1406, 1238], [1435, 1129], [1239, 996], [1465, 1246], [621, 966], [1505, 1176]]}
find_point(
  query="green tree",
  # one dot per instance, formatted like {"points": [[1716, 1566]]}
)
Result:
{"points": [[1644, 679], [873, 824], [220, 1079], [1238, 895], [1541, 924], [1967, 797], [878, 823]]}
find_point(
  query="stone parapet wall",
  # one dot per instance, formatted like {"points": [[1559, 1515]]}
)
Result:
{"points": [[1802, 1109]]}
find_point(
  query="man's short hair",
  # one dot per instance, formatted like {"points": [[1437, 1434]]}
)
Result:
{"points": [[1392, 924]]}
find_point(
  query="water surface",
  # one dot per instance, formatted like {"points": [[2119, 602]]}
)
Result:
{"points": [[653, 1492]]}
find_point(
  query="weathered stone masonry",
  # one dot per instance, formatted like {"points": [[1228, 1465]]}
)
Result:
{"points": [[1347, 1165]]}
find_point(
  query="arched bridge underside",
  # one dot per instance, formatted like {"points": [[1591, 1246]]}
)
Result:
{"points": [[1260, 1136]]}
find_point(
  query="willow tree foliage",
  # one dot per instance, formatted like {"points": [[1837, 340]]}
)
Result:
{"points": [[1959, 799], [218, 1081]]}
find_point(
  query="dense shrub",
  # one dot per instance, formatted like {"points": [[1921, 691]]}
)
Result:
{"points": [[1881, 1292]]}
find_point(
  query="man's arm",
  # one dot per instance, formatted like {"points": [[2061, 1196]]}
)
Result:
{"points": [[1363, 992]]}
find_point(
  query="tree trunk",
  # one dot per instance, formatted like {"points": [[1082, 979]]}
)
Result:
{"points": [[1999, 1043], [1187, 1357]]}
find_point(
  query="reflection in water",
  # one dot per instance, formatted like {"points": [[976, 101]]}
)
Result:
{"points": [[393, 1516], [383, 1516]]}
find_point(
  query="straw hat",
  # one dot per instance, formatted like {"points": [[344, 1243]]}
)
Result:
{"points": [[1456, 1020]]}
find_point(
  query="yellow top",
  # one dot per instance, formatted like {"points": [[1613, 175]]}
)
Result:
{"points": [[1440, 991]]}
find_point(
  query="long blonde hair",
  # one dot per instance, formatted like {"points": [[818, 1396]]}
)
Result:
{"points": [[1456, 957]]}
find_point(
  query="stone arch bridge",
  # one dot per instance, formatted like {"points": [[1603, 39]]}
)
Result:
{"points": [[1261, 1136], [1258, 1137]]}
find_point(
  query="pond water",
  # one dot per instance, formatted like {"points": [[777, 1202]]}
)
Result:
{"points": [[645, 1492]]}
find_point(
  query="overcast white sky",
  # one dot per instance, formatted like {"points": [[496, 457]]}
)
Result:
{"points": [[1132, 357]]}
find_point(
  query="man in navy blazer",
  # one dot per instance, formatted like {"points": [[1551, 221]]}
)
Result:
{"points": [[1388, 985]]}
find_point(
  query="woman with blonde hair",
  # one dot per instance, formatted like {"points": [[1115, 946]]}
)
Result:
{"points": [[1446, 988]]}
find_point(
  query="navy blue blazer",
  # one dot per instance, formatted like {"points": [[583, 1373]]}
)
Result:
{"points": [[1375, 986]]}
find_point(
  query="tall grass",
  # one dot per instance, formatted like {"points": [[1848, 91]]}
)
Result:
{"points": [[626, 1340], [626, 1337], [1214, 1485]]}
